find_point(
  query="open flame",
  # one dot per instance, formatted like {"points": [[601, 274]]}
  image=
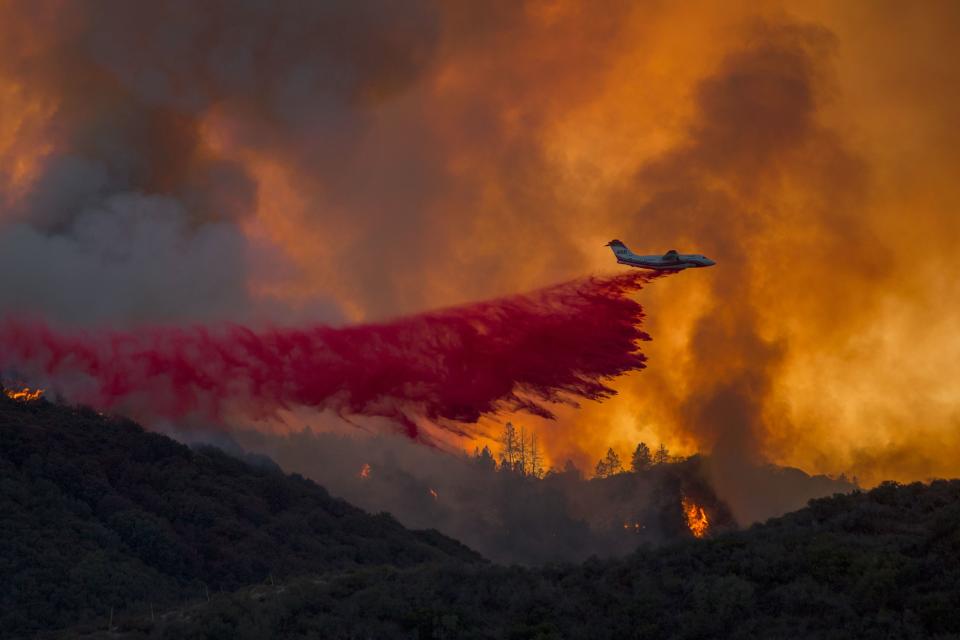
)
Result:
{"points": [[633, 526], [25, 394], [697, 520], [434, 494], [364, 472]]}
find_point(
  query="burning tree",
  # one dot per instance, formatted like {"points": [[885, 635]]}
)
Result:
{"points": [[697, 520]]}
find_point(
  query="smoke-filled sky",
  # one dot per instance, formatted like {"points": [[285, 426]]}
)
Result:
{"points": [[283, 163]]}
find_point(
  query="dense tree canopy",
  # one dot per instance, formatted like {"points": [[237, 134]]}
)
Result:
{"points": [[881, 564], [105, 525], [98, 515]]}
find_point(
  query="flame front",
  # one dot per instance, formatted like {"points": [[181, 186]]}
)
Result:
{"points": [[26, 394], [697, 520], [364, 471]]}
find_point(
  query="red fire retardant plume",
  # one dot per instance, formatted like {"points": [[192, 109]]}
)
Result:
{"points": [[522, 352]]}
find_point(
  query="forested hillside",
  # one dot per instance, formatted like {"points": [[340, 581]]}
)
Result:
{"points": [[110, 531], [99, 515], [882, 564]]}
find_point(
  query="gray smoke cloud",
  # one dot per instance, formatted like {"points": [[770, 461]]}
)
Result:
{"points": [[130, 218], [133, 258]]}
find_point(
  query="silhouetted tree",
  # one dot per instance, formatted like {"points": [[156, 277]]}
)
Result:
{"points": [[523, 453], [662, 456], [536, 460], [519, 452], [484, 458], [509, 452], [640, 460], [609, 465]]}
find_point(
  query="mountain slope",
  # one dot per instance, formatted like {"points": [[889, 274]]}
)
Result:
{"points": [[882, 564], [99, 514]]}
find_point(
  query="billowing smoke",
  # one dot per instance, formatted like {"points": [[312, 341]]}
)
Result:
{"points": [[117, 204], [132, 258], [519, 353], [755, 123], [287, 164]]}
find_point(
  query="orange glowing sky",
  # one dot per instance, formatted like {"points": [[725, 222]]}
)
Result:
{"points": [[810, 147]]}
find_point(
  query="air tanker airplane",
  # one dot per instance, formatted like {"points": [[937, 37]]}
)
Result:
{"points": [[670, 261]]}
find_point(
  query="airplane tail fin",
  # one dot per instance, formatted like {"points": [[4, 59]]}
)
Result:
{"points": [[618, 248]]}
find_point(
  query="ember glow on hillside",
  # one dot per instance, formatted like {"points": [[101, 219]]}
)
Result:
{"points": [[24, 394], [696, 517], [520, 353]]}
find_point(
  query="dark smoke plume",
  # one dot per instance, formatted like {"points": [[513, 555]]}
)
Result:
{"points": [[130, 216], [512, 354]]}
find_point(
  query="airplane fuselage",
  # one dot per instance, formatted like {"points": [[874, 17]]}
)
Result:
{"points": [[670, 261], [657, 263]]}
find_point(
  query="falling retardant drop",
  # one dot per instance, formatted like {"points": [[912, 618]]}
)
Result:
{"points": [[516, 353]]}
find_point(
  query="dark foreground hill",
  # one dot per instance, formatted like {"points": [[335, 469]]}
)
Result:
{"points": [[98, 515], [882, 564]]}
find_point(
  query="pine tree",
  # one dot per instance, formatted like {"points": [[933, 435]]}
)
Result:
{"points": [[509, 451], [523, 462], [609, 465], [485, 459], [536, 461], [640, 460], [519, 452], [601, 470], [613, 461], [662, 456]]}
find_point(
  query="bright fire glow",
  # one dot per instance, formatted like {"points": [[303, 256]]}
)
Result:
{"points": [[434, 494], [364, 471], [697, 520], [26, 394]]}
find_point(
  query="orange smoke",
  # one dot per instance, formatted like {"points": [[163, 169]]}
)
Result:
{"points": [[459, 151]]}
